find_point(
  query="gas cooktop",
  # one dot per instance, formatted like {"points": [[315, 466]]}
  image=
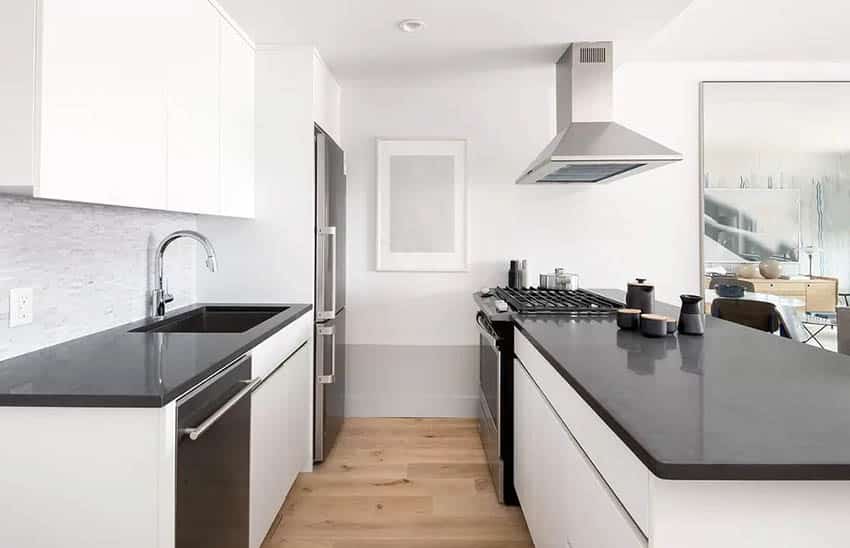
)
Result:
{"points": [[557, 301]]}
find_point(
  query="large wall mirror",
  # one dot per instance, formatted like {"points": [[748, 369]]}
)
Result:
{"points": [[775, 164]]}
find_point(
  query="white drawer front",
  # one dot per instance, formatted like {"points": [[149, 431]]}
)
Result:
{"points": [[271, 352], [622, 470]]}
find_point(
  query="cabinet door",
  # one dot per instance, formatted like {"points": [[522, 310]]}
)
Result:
{"points": [[540, 473], [280, 413], [524, 429], [193, 107], [103, 114], [821, 296], [597, 519], [237, 124], [564, 499]]}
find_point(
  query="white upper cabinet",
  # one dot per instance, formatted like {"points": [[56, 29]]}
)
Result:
{"points": [[129, 105], [103, 102], [17, 96], [237, 123], [193, 108]]}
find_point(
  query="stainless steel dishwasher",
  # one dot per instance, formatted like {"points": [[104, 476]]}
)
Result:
{"points": [[213, 460]]}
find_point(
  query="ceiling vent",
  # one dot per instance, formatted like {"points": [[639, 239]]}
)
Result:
{"points": [[592, 55]]}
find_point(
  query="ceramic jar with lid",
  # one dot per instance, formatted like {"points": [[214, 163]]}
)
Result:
{"points": [[640, 294]]}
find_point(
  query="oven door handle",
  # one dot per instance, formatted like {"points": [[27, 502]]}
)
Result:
{"points": [[198, 431], [491, 340]]}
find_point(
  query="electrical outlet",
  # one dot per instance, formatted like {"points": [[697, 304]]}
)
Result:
{"points": [[20, 306]]}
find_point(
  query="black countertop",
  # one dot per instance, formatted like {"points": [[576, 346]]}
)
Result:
{"points": [[734, 404], [117, 368]]}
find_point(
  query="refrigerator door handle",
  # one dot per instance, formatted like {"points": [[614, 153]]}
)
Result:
{"points": [[329, 331], [330, 233]]}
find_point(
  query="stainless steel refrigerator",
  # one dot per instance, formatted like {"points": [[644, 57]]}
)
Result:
{"points": [[330, 294]]}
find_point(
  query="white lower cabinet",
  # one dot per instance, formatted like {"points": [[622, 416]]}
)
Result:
{"points": [[540, 480], [281, 414], [564, 499]]}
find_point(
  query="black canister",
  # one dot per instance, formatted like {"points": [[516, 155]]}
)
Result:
{"points": [[691, 318], [628, 318], [513, 275], [654, 325], [641, 295]]}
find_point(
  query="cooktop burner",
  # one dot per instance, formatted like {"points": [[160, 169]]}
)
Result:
{"points": [[558, 301]]}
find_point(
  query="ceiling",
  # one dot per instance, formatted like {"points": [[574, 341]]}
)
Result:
{"points": [[359, 39], [755, 30]]}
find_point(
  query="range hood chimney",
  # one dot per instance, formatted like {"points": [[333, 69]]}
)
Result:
{"points": [[590, 147]]}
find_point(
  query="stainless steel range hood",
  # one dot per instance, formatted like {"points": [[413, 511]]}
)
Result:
{"points": [[590, 147]]}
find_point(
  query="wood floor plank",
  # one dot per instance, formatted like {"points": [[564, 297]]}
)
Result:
{"points": [[406, 483], [481, 504], [405, 526], [398, 486], [341, 507], [447, 470], [362, 470], [284, 542], [431, 543], [354, 456]]}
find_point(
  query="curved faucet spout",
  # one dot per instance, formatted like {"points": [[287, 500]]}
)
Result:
{"points": [[160, 293]]}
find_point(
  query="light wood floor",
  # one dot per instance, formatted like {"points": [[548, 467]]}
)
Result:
{"points": [[400, 483]]}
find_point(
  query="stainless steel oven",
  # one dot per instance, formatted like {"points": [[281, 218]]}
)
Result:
{"points": [[494, 321], [496, 403]]}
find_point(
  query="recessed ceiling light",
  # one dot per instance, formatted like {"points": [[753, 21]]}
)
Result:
{"points": [[411, 25]]}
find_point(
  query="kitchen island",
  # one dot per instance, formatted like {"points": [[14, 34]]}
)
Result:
{"points": [[737, 438]]}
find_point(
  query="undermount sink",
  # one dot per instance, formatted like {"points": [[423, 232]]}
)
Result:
{"points": [[214, 319]]}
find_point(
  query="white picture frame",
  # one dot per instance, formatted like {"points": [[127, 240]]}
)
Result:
{"points": [[422, 206]]}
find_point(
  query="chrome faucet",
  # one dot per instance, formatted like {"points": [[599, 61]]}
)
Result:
{"points": [[161, 296]]}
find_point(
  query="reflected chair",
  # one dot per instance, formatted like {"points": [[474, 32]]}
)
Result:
{"points": [[756, 314]]}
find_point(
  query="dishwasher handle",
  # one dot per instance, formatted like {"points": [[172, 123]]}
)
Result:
{"points": [[198, 431]]}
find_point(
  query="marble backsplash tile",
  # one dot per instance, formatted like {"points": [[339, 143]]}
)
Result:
{"points": [[90, 267]]}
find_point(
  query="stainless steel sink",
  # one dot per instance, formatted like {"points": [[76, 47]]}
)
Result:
{"points": [[214, 319]]}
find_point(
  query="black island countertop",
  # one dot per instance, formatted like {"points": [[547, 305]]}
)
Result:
{"points": [[735, 404], [119, 368]]}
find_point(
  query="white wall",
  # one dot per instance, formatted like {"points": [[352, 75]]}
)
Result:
{"points": [[90, 267], [645, 225]]}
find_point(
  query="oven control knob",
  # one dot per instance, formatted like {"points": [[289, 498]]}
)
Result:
{"points": [[501, 305]]}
